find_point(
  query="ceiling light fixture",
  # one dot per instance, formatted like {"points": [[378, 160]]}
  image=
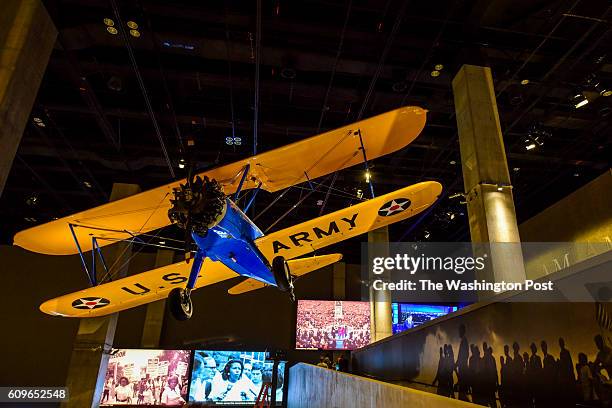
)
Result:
{"points": [[181, 163], [135, 33], [112, 30], [108, 22], [579, 100], [524, 82], [131, 24], [435, 73], [438, 67]]}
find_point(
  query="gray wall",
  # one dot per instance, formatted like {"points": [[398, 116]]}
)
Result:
{"points": [[413, 355]]}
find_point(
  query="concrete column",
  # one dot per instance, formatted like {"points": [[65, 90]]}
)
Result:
{"points": [[27, 35], [339, 280], [486, 179], [154, 318], [380, 301], [95, 336]]}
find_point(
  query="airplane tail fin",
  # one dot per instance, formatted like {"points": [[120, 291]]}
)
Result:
{"points": [[297, 268]]}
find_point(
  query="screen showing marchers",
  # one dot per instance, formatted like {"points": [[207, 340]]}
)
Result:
{"points": [[146, 377], [332, 325]]}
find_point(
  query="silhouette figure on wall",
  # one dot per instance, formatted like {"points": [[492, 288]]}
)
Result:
{"points": [[527, 380]]}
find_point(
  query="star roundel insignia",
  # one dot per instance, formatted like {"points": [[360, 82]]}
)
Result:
{"points": [[90, 303], [394, 207]]}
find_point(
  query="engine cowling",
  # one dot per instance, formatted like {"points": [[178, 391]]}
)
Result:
{"points": [[198, 206]]}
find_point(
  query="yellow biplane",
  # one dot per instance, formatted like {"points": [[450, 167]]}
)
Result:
{"points": [[228, 242]]}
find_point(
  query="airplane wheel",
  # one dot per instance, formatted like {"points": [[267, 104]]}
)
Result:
{"points": [[179, 304], [280, 270]]}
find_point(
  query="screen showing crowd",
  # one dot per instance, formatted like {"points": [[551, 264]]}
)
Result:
{"points": [[332, 325], [407, 315], [146, 377], [232, 377]]}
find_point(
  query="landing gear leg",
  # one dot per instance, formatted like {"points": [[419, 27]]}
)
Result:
{"points": [[179, 300], [282, 275]]}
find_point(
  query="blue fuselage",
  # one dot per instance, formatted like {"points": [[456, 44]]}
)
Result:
{"points": [[231, 243]]}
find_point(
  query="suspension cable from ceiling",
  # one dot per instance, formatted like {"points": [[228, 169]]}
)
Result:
{"points": [[324, 108], [373, 81], [143, 88], [257, 64]]}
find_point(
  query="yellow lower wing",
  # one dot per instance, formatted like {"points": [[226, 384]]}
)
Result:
{"points": [[275, 169], [134, 290], [358, 219], [297, 268]]}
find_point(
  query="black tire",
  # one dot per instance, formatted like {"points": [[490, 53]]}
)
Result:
{"points": [[280, 270], [180, 306]]}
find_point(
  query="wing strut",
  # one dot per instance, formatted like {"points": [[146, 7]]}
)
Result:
{"points": [[365, 162], [245, 172], [95, 248]]}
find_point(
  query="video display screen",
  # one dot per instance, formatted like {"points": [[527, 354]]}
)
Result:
{"points": [[407, 315], [146, 377], [232, 377], [332, 325]]}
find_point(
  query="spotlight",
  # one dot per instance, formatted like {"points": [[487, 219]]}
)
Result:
{"points": [[368, 176], [524, 82], [453, 162], [181, 163], [32, 200], [135, 33], [435, 73], [500, 188], [516, 169], [132, 25], [530, 146], [451, 215], [319, 202], [438, 67], [579, 100], [87, 184], [108, 22], [233, 140], [576, 174], [112, 30]]}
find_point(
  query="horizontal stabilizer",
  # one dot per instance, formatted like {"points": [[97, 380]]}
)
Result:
{"points": [[297, 267]]}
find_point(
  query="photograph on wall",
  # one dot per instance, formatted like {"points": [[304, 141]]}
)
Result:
{"points": [[146, 377], [233, 377], [332, 325], [408, 315]]}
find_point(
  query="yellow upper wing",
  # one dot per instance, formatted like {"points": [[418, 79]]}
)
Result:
{"points": [[349, 222], [275, 169]]}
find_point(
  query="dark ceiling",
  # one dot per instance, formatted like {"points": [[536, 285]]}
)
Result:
{"points": [[322, 64]]}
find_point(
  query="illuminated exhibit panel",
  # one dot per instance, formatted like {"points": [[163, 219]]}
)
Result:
{"points": [[407, 315], [232, 377], [146, 377], [332, 325]]}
